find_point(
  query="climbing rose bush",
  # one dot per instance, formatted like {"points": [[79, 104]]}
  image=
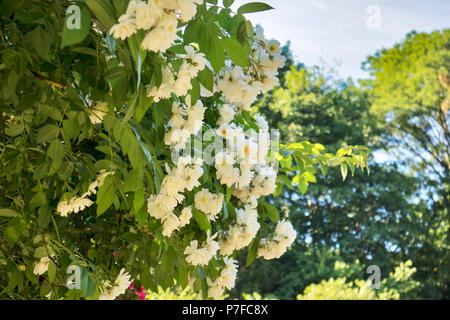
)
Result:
{"points": [[130, 157]]}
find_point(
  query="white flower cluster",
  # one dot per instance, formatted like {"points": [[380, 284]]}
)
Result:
{"points": [[178, 82], [227, 113], [200, 256], [241, 166], [243, 163], [240, 85], [209, 203], [226, 279], [242, 233], [184, 123], [158, 18], [183, 177], [111, 292], [283, 237], [77, 204], [262, 184]]}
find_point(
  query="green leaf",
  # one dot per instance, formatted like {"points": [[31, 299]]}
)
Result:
{"points": [[201, 219], [228, 195], [147, 280], [309, 176], [76, 26], [103, 11], [206, 79], [56, 153], [191, 31], [11, 235], [286, 181], [182, 274], [133, 180], [253, 250], [216, 54], [272, 212], [44, 217], [115, 72], [160, 110], [85, 50], [87, 283], [15, 130], [143, 105], [303, 185], [47, 133], [106, 195], [140, 209], [41, 42], [235, 51], [254, 7], [37, 200], [5, 212], [51, 271], [344, 170], [195, 91], [227, 3], [119, 92], [40, 252]]}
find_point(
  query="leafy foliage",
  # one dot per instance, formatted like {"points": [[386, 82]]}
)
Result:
{"points": [[75, 108]]}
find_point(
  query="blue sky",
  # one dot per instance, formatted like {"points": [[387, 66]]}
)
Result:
{"points": [[342, 33]]}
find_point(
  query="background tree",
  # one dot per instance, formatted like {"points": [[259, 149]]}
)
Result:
{"points": [[368, 220], [410, 93]]}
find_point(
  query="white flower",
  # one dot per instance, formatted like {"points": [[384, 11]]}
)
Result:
{"points": [[163, 35], [124, 29], [248, 151], [97, 113], [261, 122], [195, 59], [185, 216], [121, 284], [131, 9], [283, 238], [42, 266], [172, 185], [158, 207], [166, 88], [147, 14], [227, 113], [225, 131], [200, 256], [226, 279], [63, 208], [75, 204], [215, 291], [188, 9], [79, 204], [171, 223], [209, 203], [182, 129], [242, 233]]}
